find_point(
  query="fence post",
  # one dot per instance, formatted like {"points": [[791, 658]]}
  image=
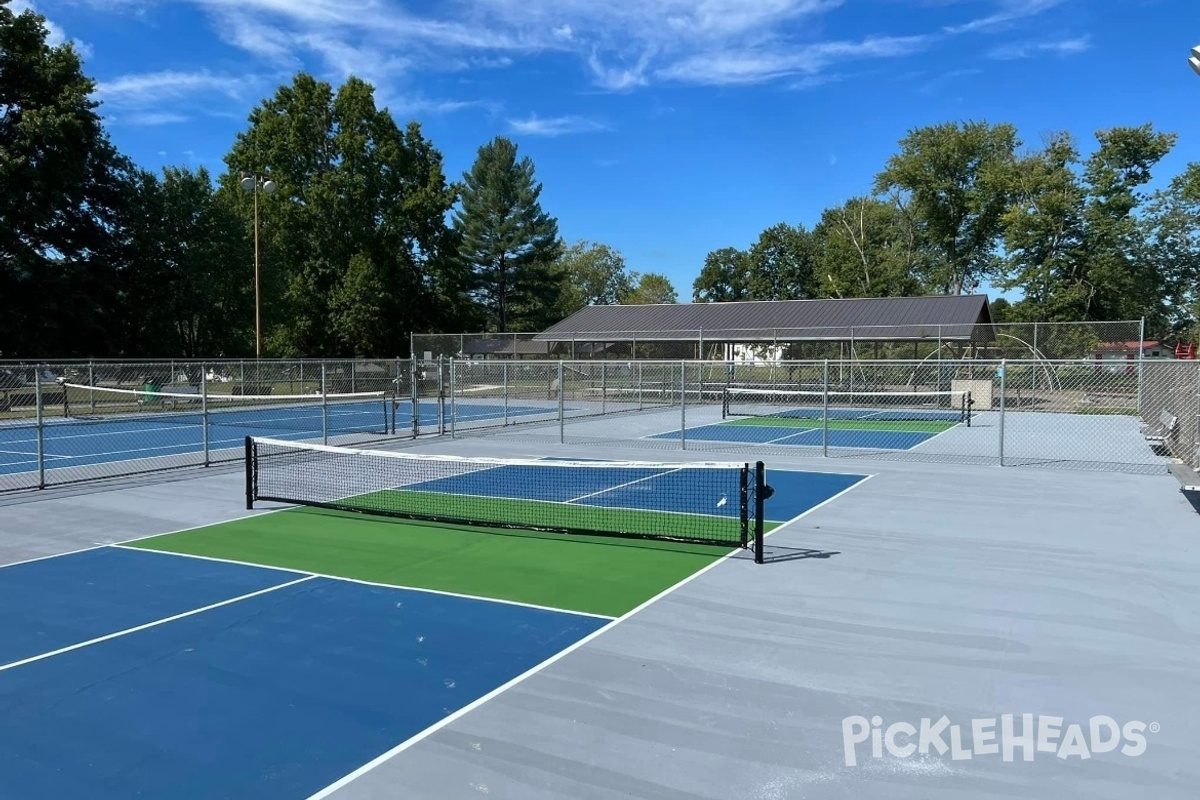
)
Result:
{"points": [[561, 432], [41, 428], [453, 398], [1003, 379], [204, 410], [639, 384], [414, 395], [1140, 361], [825, 412], [324, 406], [683, 405], [91, 386], [504, 379], [441, 403], [603, 387]]}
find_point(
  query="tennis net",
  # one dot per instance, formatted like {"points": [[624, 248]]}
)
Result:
{"points": [[703, 503], [338, 414], [803, 407]]}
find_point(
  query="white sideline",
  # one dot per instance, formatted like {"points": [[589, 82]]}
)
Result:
{"points": [[155, 623]]}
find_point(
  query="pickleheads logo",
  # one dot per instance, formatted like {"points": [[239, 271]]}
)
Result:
{"points": [[1004, 736]]}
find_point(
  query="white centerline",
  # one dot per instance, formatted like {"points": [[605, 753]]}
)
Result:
{"points": [[155, 623], [623, 485]]}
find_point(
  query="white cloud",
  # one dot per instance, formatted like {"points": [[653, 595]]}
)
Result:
{"points": [[1060, 48], [1011, 12], [744, 66], [620, 46], [145, 89], [554, 126], [142, 119]]}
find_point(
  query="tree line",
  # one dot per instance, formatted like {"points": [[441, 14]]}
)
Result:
{"points": [[363, 240], [1079, 236]]}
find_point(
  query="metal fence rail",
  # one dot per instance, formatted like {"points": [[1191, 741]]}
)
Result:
{"points": [[63, 422], [1034, 412]]}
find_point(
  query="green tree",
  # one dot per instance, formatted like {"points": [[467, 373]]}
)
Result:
{"points": [[353, 189], [869, 248], [650, 288], [65, 187], [591, 274], [955, 180], [187, 278], [508, 241], [781, 264], [1118, 279], [724, 277], [1171, 231], [1044, 233]]}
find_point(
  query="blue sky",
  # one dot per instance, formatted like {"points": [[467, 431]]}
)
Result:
{"points": [[664, 128]]}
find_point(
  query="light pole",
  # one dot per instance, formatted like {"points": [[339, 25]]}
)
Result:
{"points": [[253, 182], [1195, 59]]}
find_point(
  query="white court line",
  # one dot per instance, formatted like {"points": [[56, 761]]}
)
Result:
{"points": [[437, 726], [102, 545], [793, 435], [155, 623], [623, 485], [363, 582]]}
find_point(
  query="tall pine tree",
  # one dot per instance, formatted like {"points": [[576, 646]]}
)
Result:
{"points": [[508, 241]]}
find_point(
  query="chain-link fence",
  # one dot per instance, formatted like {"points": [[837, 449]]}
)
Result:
{"points": [[1170, 403], [62, 422], [1104, 341], [1079, 414]]}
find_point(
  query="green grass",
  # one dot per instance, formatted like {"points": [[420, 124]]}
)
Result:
{"points": [[601, 575], [906, 426]]}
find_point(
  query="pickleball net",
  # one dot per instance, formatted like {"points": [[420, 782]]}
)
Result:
{"points": [[702, 503], [336, 414], [804, 407]]}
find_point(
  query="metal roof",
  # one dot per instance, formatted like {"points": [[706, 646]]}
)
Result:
{"points": [[950, 317]]}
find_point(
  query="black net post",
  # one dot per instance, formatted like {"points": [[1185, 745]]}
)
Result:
{"points": [[760, 497], [249, 473]]}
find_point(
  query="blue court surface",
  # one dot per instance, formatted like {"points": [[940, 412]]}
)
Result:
{"points": [[78, 442], [803, 437], [137, 673], [130, 673], [643, 488]]}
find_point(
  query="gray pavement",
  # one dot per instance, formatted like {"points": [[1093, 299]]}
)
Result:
{"points": [[929, 590]]}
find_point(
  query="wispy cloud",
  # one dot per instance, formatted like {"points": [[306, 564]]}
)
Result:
{"points": [[555, 126], [1010, 13], [1061, 48], [142, 119], [141, 89], [937, 84], [742, 67], [620, 47]]}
